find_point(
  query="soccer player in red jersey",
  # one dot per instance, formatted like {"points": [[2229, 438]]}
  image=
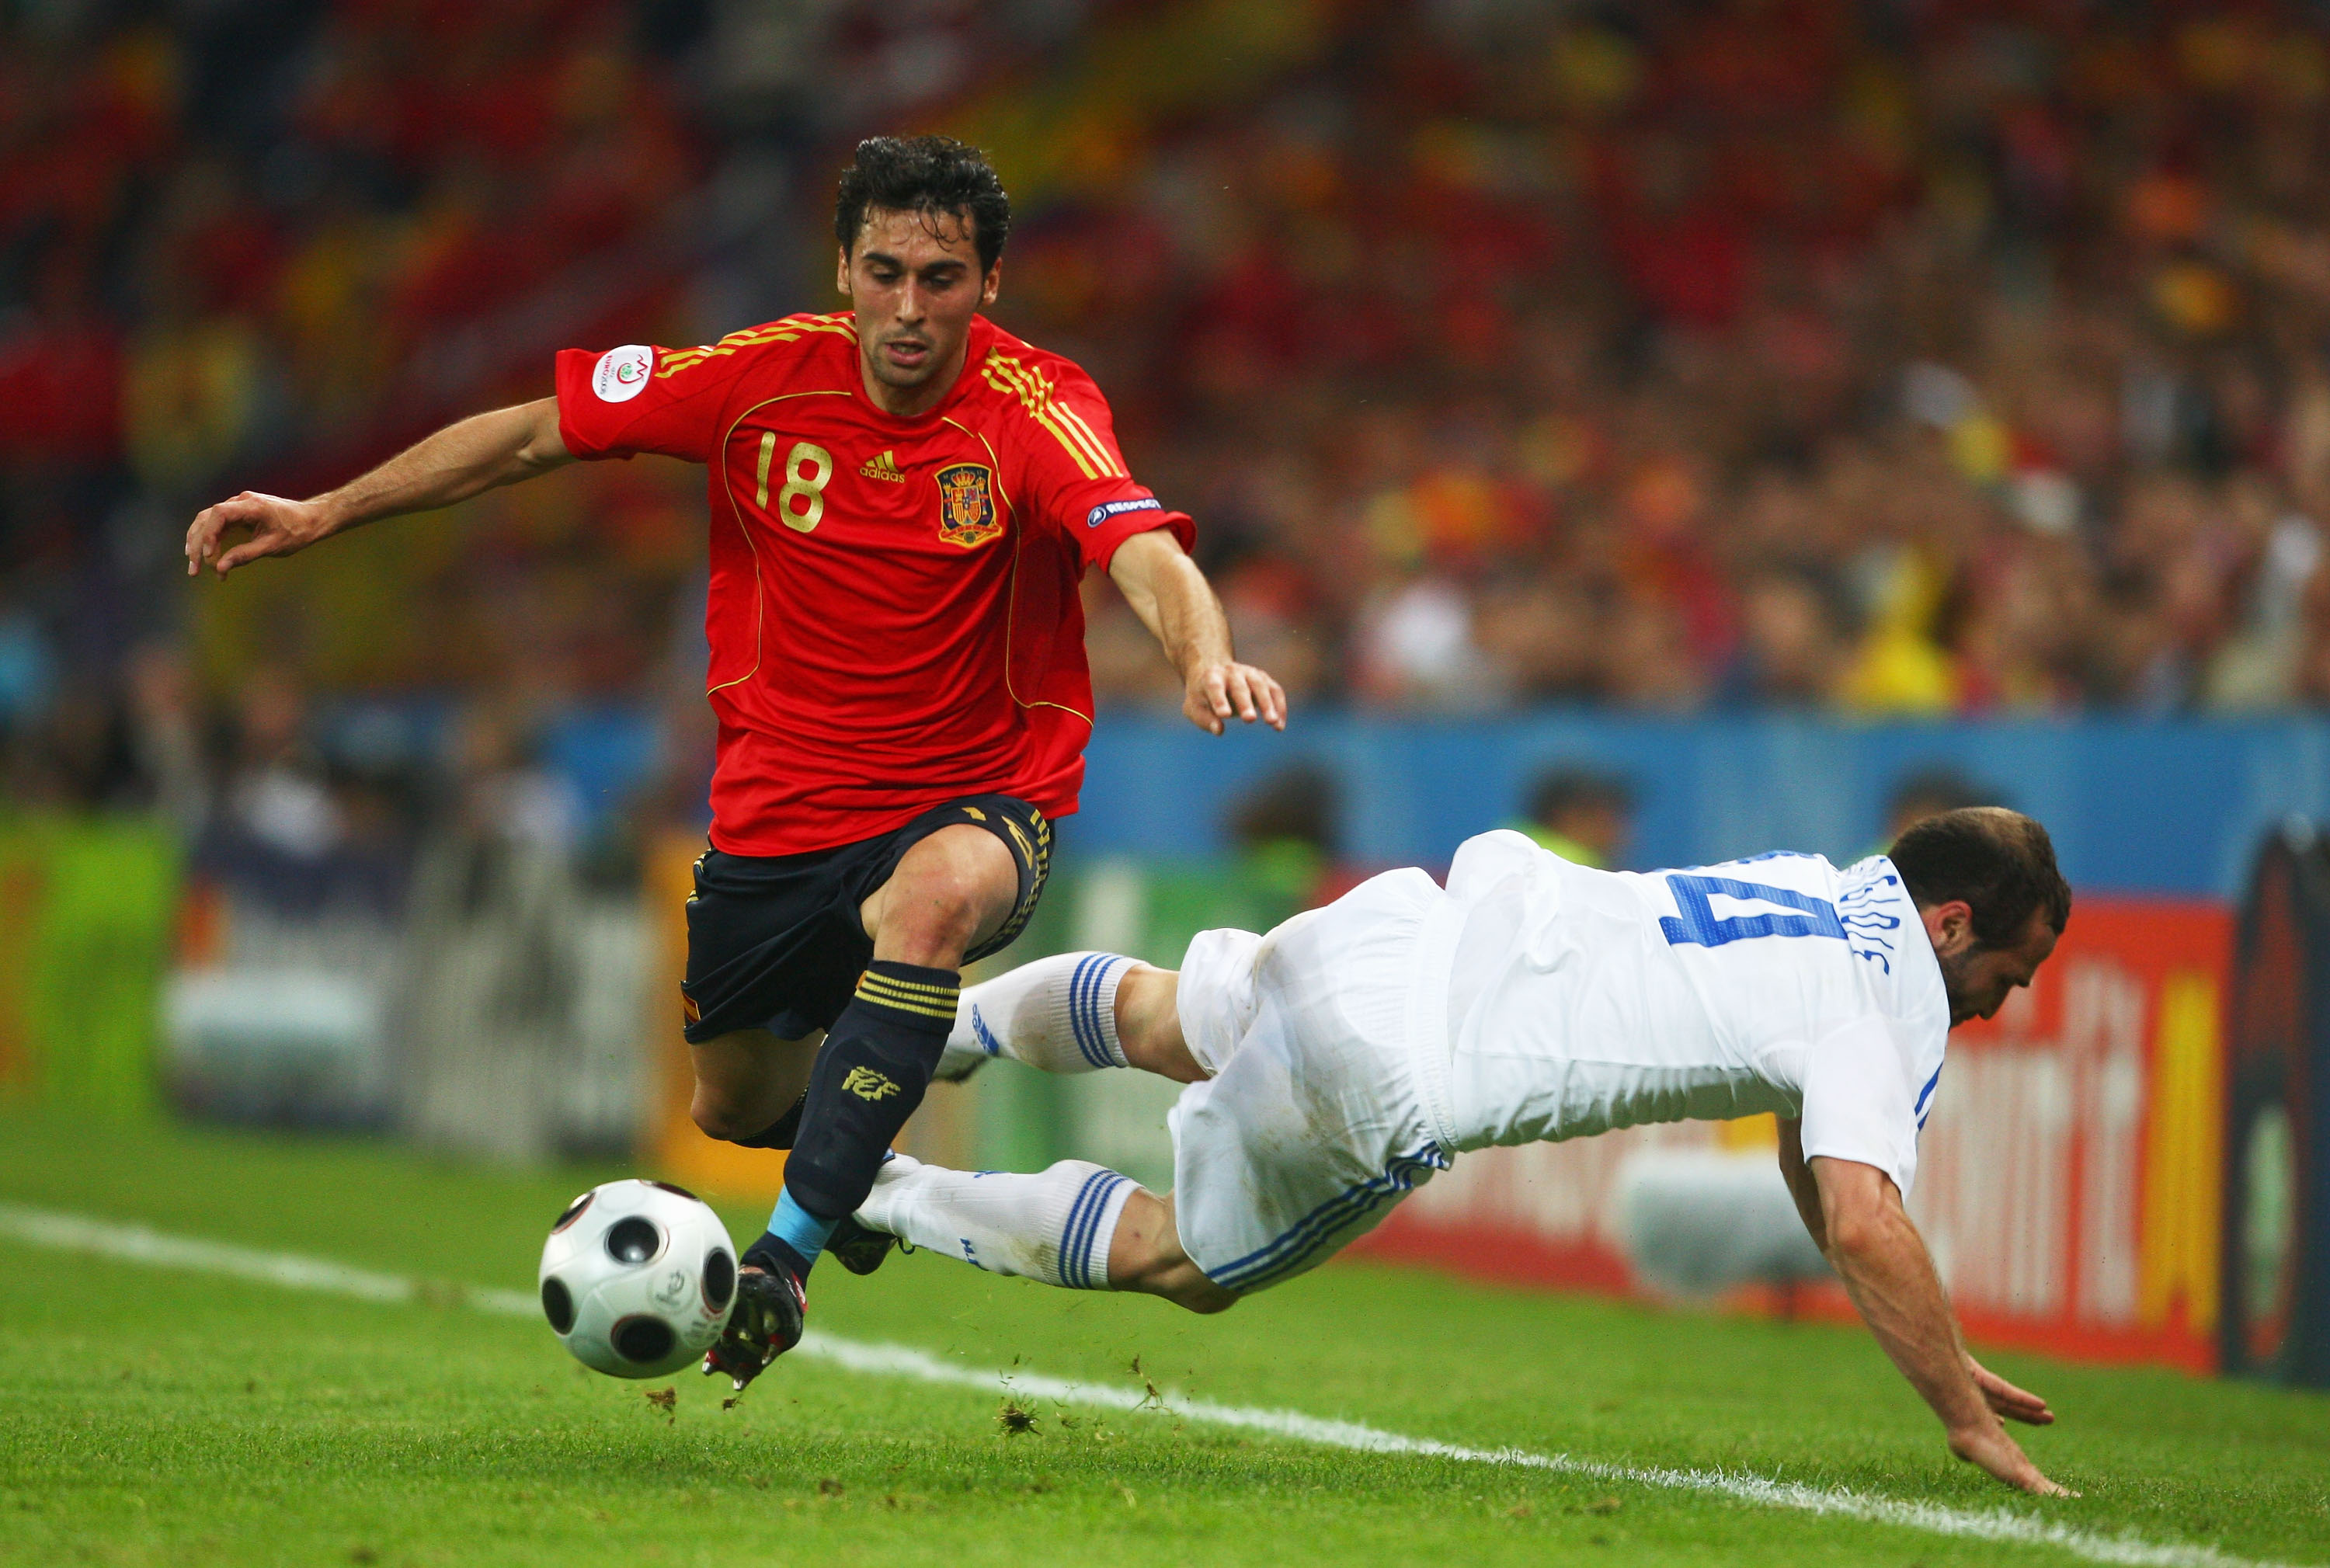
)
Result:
{"points": [[903, 497]]}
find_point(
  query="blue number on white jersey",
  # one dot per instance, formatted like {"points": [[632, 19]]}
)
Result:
{"points": [[1698, 924]]}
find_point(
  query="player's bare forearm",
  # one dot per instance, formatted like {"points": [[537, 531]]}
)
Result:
{"points": [[1889, 1275], [1176, 603], [1172, 599], [2005, 1399], [1885, 1270], [461, 461]]}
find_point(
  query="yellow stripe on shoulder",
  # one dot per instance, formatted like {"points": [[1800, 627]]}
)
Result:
{"points": [[1075, 421], [789, 330], [1034, 390]]}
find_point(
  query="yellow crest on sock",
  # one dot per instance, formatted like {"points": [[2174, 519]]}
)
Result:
{"points": [[867, 1084]]}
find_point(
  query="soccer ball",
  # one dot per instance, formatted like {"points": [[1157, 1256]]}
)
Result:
{"points": [[638, 1277]]}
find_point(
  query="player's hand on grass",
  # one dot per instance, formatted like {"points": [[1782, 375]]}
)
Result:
{"points": [[273, 525], [1988, 1445], [1217, 691], [2009, 1402]]}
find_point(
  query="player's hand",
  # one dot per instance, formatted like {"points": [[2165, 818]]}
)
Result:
{"points": [[2011, 1402], [1217, 691], [1988, 1445], [273, 525]]}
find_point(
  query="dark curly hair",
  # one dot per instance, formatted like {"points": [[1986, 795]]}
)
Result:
{"points": [[2001, 863], [925, 174]]}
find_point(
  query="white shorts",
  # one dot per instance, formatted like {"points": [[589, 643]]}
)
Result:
{"points": [[1312, 1129]]}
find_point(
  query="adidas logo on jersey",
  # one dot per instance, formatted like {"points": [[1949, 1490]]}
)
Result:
{"points": [[884, 467]]}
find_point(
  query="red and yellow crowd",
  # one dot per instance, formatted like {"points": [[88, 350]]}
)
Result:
{"points": [[1900, 359], [1922, 359], [262, 244]]}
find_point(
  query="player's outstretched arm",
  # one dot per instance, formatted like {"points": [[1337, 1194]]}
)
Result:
{"points": [[1890, 1277], [1177, 606], [458, 462], [2007, 1401]]}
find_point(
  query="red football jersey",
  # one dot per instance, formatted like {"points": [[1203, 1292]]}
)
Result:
{"points": [[892, 616]]}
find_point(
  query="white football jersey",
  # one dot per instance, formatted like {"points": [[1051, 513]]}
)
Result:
{"points": [[1580, 1000]]}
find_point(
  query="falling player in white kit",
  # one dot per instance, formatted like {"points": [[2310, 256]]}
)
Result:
{"points": [[1339, 1062]]}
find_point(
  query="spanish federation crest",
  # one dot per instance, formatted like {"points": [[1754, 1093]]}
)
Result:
{"points": [[967, 505]]}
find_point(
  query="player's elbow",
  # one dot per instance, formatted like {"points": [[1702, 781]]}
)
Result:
{"points": [[1148, 566], [1860, 1229], [1852, 1237], [1859, 1207], [544, 446]]}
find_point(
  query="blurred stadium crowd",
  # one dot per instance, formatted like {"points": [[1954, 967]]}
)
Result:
{"points": [[1896, 359], [1893, 358]]}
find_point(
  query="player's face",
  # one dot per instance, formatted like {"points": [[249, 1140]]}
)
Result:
{"points": [[915, 281], [1979, 978]]}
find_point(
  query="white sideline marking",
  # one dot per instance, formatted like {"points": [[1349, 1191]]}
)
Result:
{"points": [[139, 1244]]}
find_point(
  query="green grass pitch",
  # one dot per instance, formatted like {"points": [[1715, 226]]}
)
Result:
{"points": [[148, 1417]]}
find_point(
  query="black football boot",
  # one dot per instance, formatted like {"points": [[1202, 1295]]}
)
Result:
{"points": [[765, 1323], [859, 1248]]}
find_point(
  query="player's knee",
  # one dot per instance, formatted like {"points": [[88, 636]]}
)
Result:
{"points": [[1201, 1295], [945, 909], [1169, 1273], [711, 1118], [716, 1116], [1148, 1024], [934, 912]]}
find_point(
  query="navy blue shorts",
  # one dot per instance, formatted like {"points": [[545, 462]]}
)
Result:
{"points": [[775, 941]]}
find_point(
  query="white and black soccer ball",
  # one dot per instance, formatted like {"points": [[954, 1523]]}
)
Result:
{"points": [[638, 1277]]}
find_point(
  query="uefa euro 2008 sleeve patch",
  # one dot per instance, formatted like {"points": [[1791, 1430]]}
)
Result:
{"points": [[622, 372]]}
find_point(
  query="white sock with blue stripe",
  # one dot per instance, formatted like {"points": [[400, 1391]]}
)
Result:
{"points": [[1057, 1013], [1054, 1226]]}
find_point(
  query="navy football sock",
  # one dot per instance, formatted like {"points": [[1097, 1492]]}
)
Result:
{"points": [[792, 1240], [877, 1061]]}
